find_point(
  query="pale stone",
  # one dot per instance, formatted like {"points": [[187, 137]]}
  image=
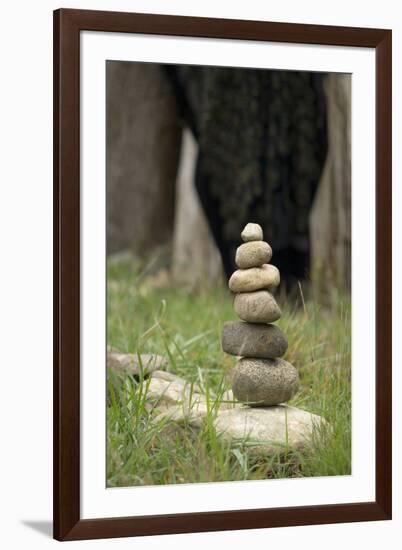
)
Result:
{"points": [[252, 232], [253, 254], [132, 363], [262, 431], [253, 340], [194, 412], [257, 307], [228, 396], [264, 382], [270, 430], [168, 389], [256, 278], [179, 400], [168, 376], [193, 415]]}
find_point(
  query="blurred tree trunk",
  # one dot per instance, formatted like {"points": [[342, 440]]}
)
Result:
{"points": [[143, 146], [196, 260], [330, 218]]}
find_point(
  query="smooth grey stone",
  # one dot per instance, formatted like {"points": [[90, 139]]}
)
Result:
{"points": [[264, 382], [256, 278], [257, 307], [253, 254], [253, 340], [252, 232]]}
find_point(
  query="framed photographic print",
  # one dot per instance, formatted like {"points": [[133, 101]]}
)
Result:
{"points": [[222, 274]]}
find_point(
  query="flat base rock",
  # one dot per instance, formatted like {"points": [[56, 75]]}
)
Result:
{"points": [[263, 431], [269, 430]]}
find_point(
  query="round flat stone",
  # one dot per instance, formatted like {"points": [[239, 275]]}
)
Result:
{"points": [[264, 382], [252, 232], [257, 307], [256, 278], [253, 340], [253, 254]]}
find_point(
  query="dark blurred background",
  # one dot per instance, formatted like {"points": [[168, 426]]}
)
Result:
{"points": [[194, 153]]}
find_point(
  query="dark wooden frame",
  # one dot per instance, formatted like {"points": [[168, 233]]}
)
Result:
{"points": [[67, 26]]}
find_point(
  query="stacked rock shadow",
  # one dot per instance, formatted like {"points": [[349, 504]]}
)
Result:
{"points": [[260, 377]]}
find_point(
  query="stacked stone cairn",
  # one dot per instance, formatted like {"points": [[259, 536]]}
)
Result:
{"points": [[260, 378]]}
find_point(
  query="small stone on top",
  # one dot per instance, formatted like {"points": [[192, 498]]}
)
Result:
{"points": [[252, 232]]}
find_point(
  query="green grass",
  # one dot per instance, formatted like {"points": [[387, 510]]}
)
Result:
{"points": [[185, 327]]}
